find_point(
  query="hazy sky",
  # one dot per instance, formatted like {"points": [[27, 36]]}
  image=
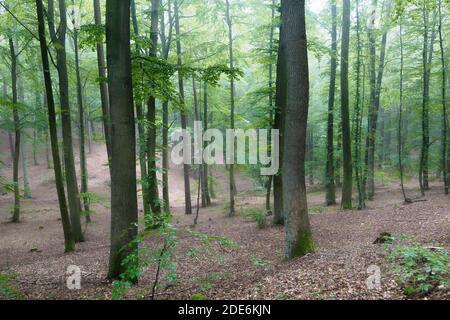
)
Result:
{"points": [[317, 5]]}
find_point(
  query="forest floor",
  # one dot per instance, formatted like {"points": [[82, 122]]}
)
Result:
{"points": [[33, 264]]}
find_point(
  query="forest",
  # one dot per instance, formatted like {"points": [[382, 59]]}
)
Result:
{"points": [[224, 150]]}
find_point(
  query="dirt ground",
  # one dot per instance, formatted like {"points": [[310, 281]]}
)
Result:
{"points": [[32, 252]]}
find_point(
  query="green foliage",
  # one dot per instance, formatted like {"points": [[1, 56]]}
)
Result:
{"points": [[198, 297], [7, 291], [420, 270], [160, 230], [90, 35], [258, 262], [257, 215]]}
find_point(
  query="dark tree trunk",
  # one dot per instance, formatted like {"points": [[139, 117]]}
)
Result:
{"points": [[59, 38], [16, 157], [445, 123], [428, 45], [347, 185], [69, 240], [358, 115], [153, 196], [205, 127], [329, 175], [298, 230], [83, 164], [232, 106], [280, 107], [124, 212], [186, 168], [103, 86], [140, 124], [166, 42]]}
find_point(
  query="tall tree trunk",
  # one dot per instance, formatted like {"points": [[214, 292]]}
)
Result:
{"points": [[445, 124], [166, 42], [59, 38], [400, 120], [347, 185], [23, 145], [329, 175], [427, 59], [374, 105], [186, 168], [69, 240], [151, 120], [205, 127], [103, 85], [140, 124], [83, 165], [124, 212], [280, 108], [298, 230], [16, 212], [271, 100], [358, 115], [232, 184]]}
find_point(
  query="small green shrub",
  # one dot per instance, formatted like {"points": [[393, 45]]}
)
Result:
{"points": [[198, 297], [420, 270], [7, 291], [257, 215]]}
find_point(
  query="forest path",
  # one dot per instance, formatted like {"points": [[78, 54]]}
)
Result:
{"points": [[32, 250]]}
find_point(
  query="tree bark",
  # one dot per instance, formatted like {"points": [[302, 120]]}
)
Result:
{"points": [[17, 129], [298, 230], [103, 86], [124, 212], [69, 240], [186, 167], [83, 164], [232, 184], [347, 186], [445, 124], [59, 38], [329, 178], [153, 196]]}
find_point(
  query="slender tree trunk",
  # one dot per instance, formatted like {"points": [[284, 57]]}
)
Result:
{"points": [[345, 113], [69, 240], [298, 230], [17, 129], [59, 38], [310, 153], [151, 120], [205, 127], [330, 174], [103, 85], [186, 168], [445, 124], [124, 212], [232, 106], [10, 138], [140, 124], [166, 42], [83, 165], [271, 100], [280, 108], [376, 80], [358, 115], [428, 45], [26, 174], [23, 145], [400, 120]]}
